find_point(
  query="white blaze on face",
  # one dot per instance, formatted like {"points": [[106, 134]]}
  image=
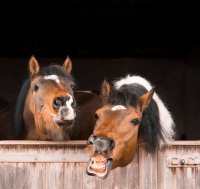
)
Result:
{"points": [[118, 107], [71, 113], [52, 77]]}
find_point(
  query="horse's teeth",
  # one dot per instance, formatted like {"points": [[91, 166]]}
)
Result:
{"points": [[99, 166]]}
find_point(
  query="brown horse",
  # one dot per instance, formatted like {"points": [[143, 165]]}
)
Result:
{"points": [[46, 104], [49, 109], [132, 111]]}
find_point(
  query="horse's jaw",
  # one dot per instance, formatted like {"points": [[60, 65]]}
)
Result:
{"points": [[99, 166], [63, 123]]}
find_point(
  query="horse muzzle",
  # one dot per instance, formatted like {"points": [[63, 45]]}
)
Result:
{"points": [[63, 122], [100, 163], [101, 144]]}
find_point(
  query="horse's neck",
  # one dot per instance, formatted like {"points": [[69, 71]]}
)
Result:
{"points": [[27, 114]]}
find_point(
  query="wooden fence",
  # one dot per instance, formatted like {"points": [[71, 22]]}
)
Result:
{"points": [[62, 165]]}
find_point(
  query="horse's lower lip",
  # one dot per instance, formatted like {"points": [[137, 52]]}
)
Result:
{"points": [[65, 123], [100, 170]]}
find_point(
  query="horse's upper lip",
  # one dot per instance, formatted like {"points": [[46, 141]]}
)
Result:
{"points": [[99, 166]]}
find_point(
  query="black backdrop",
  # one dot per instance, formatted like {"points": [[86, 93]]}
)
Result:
{"points": [[113, 28], [108, 40]]}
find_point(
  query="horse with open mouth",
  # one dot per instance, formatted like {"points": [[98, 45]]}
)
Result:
{"points": [[45, 108], [131, 111]]}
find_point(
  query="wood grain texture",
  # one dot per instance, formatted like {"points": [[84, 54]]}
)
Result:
{"points": [[44, 165], [180, 176], [147, 169]]}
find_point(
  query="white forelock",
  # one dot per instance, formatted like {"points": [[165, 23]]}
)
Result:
{"points": [[118, 107], [52, 77], [166, 120]]}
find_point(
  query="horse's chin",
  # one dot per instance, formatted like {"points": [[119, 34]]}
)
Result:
{"points": [[99, 166]]}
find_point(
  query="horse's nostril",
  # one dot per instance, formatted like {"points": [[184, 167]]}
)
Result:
{"points": [[104, 144], [90, 142], [112, 145], [100, 144], [91, 139]]}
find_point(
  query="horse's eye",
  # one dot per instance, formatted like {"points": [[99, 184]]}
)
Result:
{"points": [[135, 121], [57, 103], [35, 88]]}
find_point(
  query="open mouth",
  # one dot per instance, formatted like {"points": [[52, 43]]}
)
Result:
{"points": [[64, 123], [99, 166]]}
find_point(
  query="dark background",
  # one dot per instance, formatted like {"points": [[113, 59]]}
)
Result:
{"points": [[158, 40]]}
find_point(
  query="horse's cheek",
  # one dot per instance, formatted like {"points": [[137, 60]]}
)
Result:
{"points": [[125, 152], [118, 151]]}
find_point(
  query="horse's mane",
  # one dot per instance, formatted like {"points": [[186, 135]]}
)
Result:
{"points": [[150, 130], [19, 108]]}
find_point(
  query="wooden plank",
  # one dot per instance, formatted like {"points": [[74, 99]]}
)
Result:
{"points": [[166, 176], [37, 175], [197, 177], [7, 175], [197, 172], [82, 143], [48, 155], [30, 175], [177, 177], [54, 175], [73, 176], [68, 169], [63, 166], [22, 175], [120, 178], [183, 143], [109, 181], [189, 178], [147, 169], [42, 143], [133, 173], [89, 181]]}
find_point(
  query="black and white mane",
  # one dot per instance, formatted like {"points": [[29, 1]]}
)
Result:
{"points": [[157, 123], [56, 70]]}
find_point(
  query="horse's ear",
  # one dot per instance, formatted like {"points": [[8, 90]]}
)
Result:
{"points": [[145, 100], [33, 66], [67, 65], [105, 91]]}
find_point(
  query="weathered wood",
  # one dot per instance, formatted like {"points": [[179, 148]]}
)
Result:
{"points": [[42, 143], [45, 153], [133, 173], [147, 169], [180, 176], [88, 181], [60, 165], [197, 177]]}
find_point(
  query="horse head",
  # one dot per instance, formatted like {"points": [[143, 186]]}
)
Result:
{"points": [[47, 101]]}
